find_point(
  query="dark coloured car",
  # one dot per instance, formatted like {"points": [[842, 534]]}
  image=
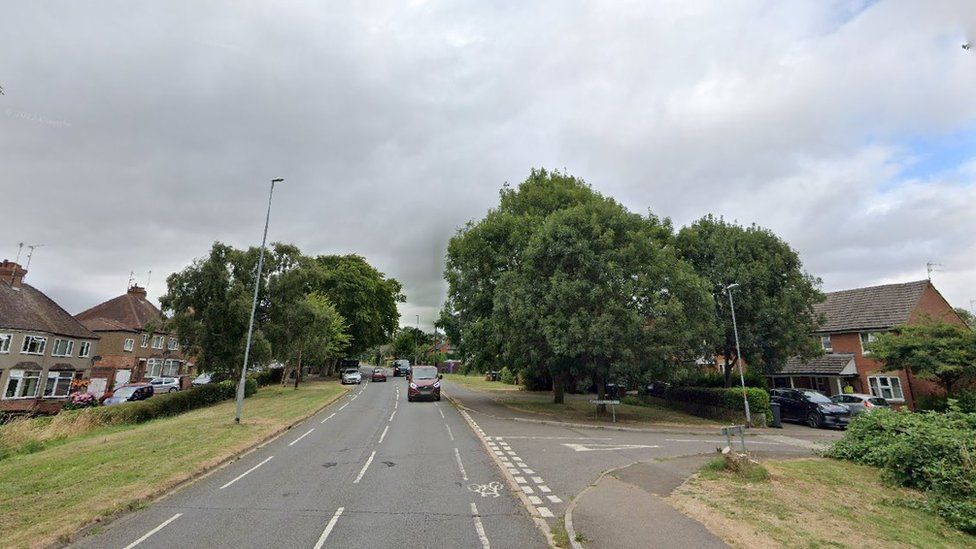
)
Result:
{"points": [[130, 393], [810, 407], [401, 367], [378, 375], [425, 384]]}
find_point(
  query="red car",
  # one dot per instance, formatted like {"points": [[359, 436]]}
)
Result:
{"points": [[378, 375], [425, 383]]}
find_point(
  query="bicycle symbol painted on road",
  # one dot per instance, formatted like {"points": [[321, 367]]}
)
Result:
{"points": [[490, 489]]}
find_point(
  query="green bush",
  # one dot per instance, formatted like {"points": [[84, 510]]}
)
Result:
{"points": [[171, 404], [271, 376], [930, 451], [729, 399], [505, 375], [687, 378]]}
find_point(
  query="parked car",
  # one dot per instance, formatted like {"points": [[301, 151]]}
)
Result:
{"points": [[810, 407], [657, 389], [379, 374], [352, 377], [165, 384], [858, 403], [401, 367], [425, 383], [493, 375], [129, 393], [201, 379]]}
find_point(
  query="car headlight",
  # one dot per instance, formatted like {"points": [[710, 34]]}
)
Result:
{"points": [[437, 385], [413, 385]]}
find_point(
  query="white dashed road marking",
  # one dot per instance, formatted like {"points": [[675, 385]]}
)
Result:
{"points": [[385, 429], [301, 437], [449, 433], [329, 527], [457, 455], [479, 527], [245, 473], [160, 527], [332, 415], [363, 471], [545, 512]]}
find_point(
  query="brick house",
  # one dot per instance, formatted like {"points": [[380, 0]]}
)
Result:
{"points": [[853, 318], [43, 349], [133, 345]]}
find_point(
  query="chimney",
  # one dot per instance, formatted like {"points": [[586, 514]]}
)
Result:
{"points": [[137, 290], [12, 274]]}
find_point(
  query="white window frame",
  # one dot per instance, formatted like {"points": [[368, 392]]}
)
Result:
{"points": [[157, 342], [5, 340], [867, 337], [826, 344], [154, 363], [879, 384], [69, 347], [33, 338], [129, 344], [145, 341], [18, 376], [172, 345], [58, 375], [171, 368], [85, 349]]}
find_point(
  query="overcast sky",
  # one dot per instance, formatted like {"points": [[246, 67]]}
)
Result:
{"points": [[134, 134]]}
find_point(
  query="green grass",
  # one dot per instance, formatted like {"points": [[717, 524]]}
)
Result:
{"points": [[578, 408], [478, 383], [49, 494], [813, 502]]}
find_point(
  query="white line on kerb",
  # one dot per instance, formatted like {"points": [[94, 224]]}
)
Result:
{"points": [[301, 437], [245, 473], [449, 433], [329, 527], [457, 455], [391, 415], [156, 529], [385, 429], [332, 415], [479, 528], [363, 472]]}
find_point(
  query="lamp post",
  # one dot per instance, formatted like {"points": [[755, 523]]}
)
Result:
{"points": [[416, 343], [738, 353], [254, 306]]}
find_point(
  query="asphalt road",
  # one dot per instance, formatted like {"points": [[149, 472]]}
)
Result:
{"points": [[372, 470]]}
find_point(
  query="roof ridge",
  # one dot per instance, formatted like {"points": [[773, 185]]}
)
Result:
{"points": [[909, 283]]}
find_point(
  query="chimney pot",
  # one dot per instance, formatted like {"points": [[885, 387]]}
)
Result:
{"points": [[12, 274]]}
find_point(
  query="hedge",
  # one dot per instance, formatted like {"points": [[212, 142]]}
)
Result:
{"points": [[271, 376], [702, 399], [171, 404]]}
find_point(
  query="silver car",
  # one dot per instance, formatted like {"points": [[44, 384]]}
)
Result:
{"points": [[859, 403], [352, 376], [165, 384]]}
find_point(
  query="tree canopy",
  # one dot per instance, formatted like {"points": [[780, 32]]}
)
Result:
{"points": [[940, 351]]}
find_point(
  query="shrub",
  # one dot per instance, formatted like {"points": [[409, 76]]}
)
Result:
{"points": [[505, 375], [172, 403], [728, 399], [717, 379], [80, 400], [271, 376]]}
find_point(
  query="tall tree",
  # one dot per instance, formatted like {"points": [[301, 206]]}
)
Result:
{"points": [[966, 317], [774, 303], [941, 351]]}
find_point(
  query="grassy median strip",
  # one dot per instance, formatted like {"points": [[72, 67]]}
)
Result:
{"points": [[814, 502], [47, 495]]}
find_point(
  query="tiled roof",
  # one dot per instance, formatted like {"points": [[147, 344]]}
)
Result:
{"points": [[130, 311], [829, 364], [877, 307], [27, 308]]}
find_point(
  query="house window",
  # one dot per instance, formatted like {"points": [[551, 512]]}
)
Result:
{"points": [[887, 387], [145, 341], [825, 343], [63, 347], [58, 383], [85, 349], [157, 342], [33, 345], [171, 368], [172, 344], [867, 338], [129, 344], [5, 342], [22, 384], [154, 367]]}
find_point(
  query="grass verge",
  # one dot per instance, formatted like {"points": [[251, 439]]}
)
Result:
{"points": [[814, 502], [48, 495], [478, 383], [578, 409]]}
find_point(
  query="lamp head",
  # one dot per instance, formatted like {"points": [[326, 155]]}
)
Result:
{"points": [[277, 180], [732, 286]]}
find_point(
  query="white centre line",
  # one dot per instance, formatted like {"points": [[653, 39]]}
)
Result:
{"points": [[245, 473], [329, 527], [391, 415], [328, 418], [385, 429], [160, 527], [479, 527], [363, 472], [301, 437], [449, 433], [442, 413], [457, 455]]}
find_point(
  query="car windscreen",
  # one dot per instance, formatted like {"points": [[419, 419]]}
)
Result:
{"points": [[422, 372], [817, 398], [377, 371], [124, 392]]}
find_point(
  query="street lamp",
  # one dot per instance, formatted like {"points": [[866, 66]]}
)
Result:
{"points": [[416, 343], [254, 306], [738, 353]]}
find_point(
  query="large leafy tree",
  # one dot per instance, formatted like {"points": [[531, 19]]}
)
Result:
{"points": [[774, 303], [941, 351], [410, 342]]}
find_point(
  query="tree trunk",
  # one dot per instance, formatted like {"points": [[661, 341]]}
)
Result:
{"points": [[601, 387], [559, 387], [728, 369], [298, 374]]}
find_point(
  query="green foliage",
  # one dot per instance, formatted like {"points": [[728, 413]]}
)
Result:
{"points": [[409, 342], [745, 470], [506, 375], [170, 404], [966, 317], [726, 398], [929, 451], [933, 349], [775, 298], [714, 379], [271, 376]]}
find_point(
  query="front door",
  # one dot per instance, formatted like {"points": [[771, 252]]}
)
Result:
{"points": [[122, 377]]}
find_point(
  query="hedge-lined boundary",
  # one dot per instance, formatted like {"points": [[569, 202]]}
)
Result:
{"points": [[170, 404], [723, 404]]}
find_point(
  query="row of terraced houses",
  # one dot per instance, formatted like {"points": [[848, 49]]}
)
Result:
{"points": [[46, 353]]}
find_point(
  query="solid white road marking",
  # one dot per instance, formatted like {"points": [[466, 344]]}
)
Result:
{"points": [[536, 500], [555, 438], [391, 415], [479, 527], [605, 447], [363, 471], [332, 415], [554, 499], [301, 437], [457, 455], [449, 433], [329, 527], [385, 429], [245, 473], [158, 528], [545, 512], [716, 441]]}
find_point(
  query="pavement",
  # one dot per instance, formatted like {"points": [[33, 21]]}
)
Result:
{"points": [[371, 470]]}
